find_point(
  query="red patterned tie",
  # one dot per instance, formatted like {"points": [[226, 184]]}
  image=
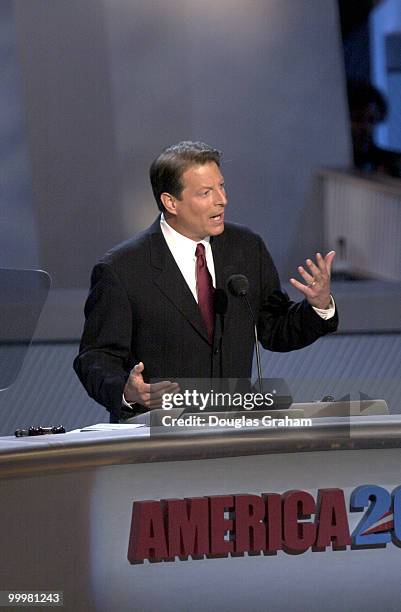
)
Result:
{"points": [[204, 287]]}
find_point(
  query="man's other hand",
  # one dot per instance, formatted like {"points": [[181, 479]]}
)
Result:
{"points": [[317, 288], [149, 395]]}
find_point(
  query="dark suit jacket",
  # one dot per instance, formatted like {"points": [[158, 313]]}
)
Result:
{"points": [[141, 309]]}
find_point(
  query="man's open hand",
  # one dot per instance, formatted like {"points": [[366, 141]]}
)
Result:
{"points": [[149, 395], [317, 288]]}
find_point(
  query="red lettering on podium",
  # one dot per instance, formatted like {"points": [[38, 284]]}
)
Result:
{"points": [[298, 536], [188, 527], [331, 520], [273, 522], [224, 525], [250, 531], [219, 525], [147, 536]]}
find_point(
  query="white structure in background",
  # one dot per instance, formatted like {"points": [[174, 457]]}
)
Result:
{"points": [[362, 221]]}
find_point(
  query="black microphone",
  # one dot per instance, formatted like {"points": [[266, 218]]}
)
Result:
{"points": [[238, 285]]}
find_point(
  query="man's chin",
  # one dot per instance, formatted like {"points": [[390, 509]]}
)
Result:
{"points": [[219, 229]]}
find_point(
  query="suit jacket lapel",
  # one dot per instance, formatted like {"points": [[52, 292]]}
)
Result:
{"points": [[224, 264]]}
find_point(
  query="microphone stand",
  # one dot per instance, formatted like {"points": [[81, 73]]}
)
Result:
{"points": [[255, 332]]}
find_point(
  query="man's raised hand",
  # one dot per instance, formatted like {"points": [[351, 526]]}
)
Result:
{"points": [[317, 288]]}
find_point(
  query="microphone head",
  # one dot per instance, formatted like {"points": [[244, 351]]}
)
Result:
{"points": [[220, 302], [238, 285]]}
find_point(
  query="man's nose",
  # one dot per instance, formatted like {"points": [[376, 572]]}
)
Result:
{"points": [[221, 197]]}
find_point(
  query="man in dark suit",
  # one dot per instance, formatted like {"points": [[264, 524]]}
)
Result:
{"points": [[151, 311]]}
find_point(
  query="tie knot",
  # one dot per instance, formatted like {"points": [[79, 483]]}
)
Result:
{"points": [[200, 250]]}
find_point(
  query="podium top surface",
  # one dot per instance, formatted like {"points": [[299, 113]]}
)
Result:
{"points": [[30, 456]]}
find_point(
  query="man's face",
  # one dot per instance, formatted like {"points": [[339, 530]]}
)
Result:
{"points": [[200, 210]]}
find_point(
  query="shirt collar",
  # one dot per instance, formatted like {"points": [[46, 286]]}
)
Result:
{"points": [[180, 241]]}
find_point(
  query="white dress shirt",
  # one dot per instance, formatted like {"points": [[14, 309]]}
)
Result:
{"points": [[183, 250]]}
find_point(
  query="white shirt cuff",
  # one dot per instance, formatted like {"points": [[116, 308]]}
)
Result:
{"points": [[127, 404], [326, 313]]}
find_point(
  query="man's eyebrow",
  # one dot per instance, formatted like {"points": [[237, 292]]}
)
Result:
{"points": [[210, 186]]}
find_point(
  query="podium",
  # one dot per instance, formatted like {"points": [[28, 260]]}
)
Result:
{"points": [[67, 516]]}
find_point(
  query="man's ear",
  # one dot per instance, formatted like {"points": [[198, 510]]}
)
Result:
{"points": [[169, 203]]}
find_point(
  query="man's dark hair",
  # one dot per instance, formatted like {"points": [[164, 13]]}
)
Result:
{"points": [[167, 169]]}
